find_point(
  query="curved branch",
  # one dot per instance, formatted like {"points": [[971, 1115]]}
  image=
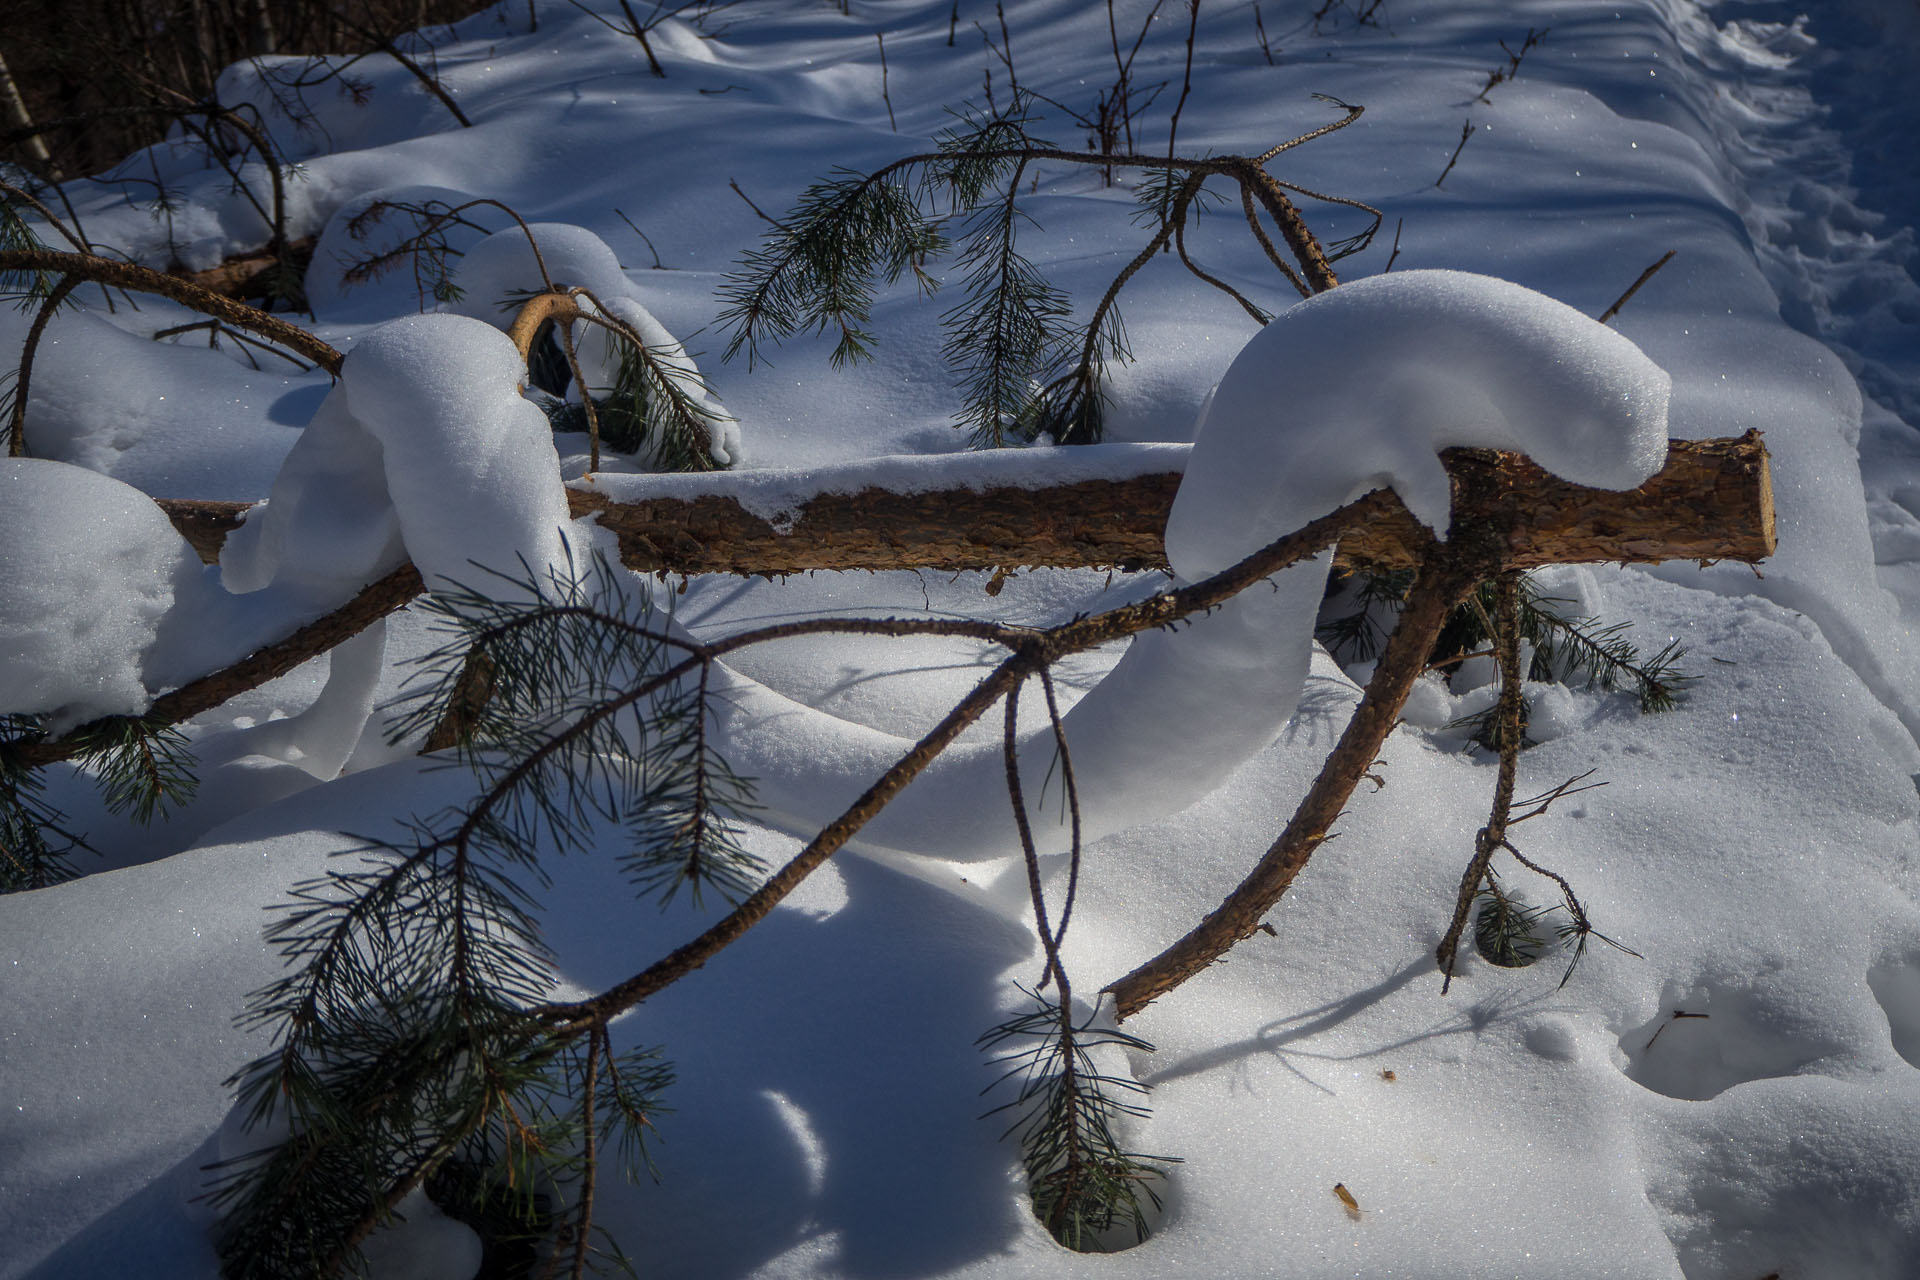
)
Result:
{"points": [[23, 380], [1435, 592], [126, 275]]}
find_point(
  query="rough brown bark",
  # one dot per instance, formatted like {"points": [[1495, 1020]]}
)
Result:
{"points": [[245, 276], [1713, 501]]}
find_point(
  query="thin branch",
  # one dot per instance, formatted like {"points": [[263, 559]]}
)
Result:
{"points": [[1451, 570], [1266, 243], [884, 95], [1493, 835], [1634, 288], [199, 696], [23, 379], [1466, 134], [126, 275], [1186, 88]]}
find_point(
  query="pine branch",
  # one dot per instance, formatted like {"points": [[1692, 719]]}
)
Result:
{"points": [[819, 269]]}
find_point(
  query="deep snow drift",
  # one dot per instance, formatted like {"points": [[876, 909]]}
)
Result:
{"points": [[1756, 846]]}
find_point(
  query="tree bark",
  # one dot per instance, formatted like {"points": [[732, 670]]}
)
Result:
{"points": [[1713, 501]]}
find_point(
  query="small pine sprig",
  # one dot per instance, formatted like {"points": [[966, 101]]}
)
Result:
{"points": [[592, 716], [657, 406], [1008, 337], [1610, 661], [1506, 931], [818, 269], [1084, 1183], [24, 289], [36, 846], [142, 768], [1008, 331], [406, 1027], [1356, 628], [1564, 647]]}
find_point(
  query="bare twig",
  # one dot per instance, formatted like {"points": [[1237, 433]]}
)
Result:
{"points": [[1634, 288], [1466, 133], [1186, 88], [1493, 836], [884, 95], [1672, 1018], [1261, 27], [23, 379], [775, 223]]}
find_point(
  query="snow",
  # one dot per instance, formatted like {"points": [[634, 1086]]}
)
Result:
{"points": [[90, 571], [1378, 376], [1757, 846], [424, 451]]}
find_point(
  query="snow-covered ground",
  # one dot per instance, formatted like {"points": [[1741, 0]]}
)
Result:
{"points": [[1756, 846]]}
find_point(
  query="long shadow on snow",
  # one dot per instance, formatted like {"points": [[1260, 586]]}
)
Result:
{"points": [[828, 1092]]}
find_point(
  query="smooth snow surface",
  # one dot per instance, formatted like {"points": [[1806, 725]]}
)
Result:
{"points": [[1759, 846]]}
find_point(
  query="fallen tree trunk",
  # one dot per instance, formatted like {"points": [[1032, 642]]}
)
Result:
{"points": [[1712, 501]]}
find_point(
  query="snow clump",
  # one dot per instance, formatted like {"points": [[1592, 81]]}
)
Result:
{"points": [[89, 568], [502, 268], [1378, 376], [425, 451]]}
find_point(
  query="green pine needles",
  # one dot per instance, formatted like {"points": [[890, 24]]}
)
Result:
{"points": [[140, 767], [1088, 1189], [409, 1027], [1025, 368], [656, 409], [1565, 647]]}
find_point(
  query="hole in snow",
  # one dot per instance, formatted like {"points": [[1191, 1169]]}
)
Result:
{"points": [[1715, 1036], [1896, 985]]}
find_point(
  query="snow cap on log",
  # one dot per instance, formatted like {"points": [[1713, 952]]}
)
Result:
{"points": [[1362, 386]]}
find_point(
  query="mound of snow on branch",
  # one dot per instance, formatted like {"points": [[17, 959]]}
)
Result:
{"points": [[1377, 376], [1362, 386], [89, 570]]}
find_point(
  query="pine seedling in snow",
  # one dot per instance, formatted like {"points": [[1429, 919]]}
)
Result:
{"points": [[1506, 931], [408, 1027], [1083, 1181]]}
